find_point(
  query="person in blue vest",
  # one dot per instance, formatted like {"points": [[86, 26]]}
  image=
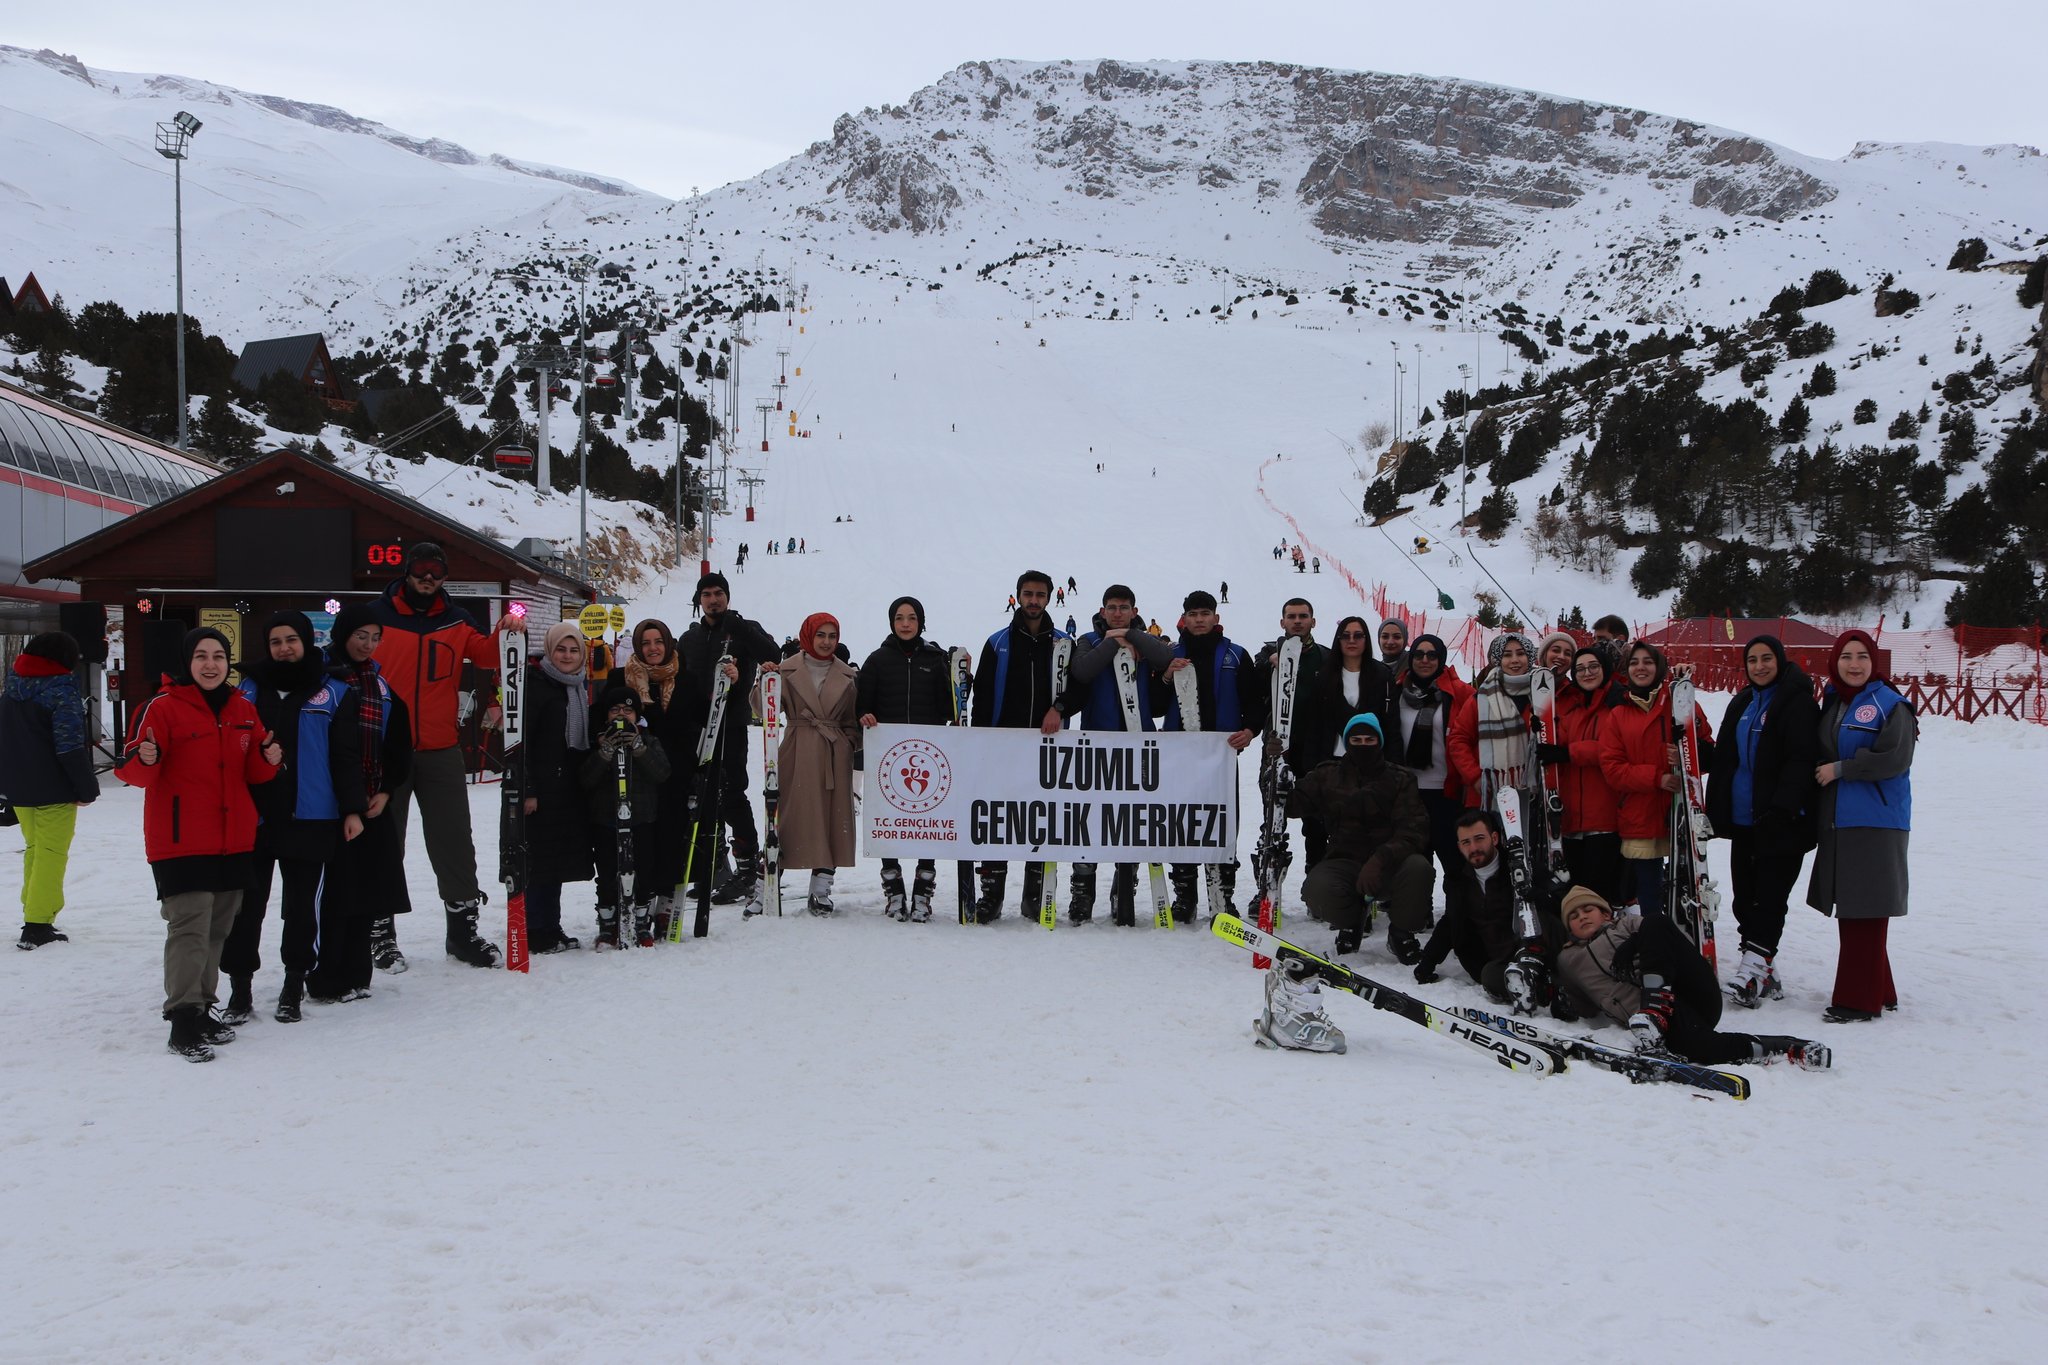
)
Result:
{"points": [[1092, 694], [299, 814], [1013, 690], [1867, 734], [1230, 701]]}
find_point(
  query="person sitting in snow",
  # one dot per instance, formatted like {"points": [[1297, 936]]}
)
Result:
{"points": [[1639, 970]]}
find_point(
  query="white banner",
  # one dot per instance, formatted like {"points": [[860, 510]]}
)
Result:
{"points": [[1080, 796]]}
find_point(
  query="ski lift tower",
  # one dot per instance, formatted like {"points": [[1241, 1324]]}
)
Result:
{"points": [[550, 360], [782, 376], [752, 479], [764, 408]]}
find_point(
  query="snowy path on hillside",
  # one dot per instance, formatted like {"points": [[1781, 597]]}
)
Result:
{"points": [[859, 1140]]}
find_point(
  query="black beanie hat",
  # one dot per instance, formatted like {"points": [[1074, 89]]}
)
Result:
{"points": [[616, 694], [1198, 600], [914, 605], [711, 580]]}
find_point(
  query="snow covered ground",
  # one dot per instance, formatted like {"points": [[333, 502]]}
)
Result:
{"points": [[862, 1140]]}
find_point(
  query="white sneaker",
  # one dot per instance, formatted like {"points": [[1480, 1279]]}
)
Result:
{"points": [[1294, 1016]]}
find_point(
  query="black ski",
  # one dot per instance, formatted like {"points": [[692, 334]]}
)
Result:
{"points": [[1639, 1067], [1511, 1050]]}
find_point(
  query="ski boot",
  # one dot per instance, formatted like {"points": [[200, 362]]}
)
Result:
{"points": [[608, 928], [664, 907], [384, 954], [241, 1001], [921, 888], [188, 1036], [739, 885], [289, 998], [1183, 895], [819, 901], [989, 908], [1034, 891], [643, 924], [1528, 980], [34, 936], [1294, 1017], [1754, 981], [895, 904], [463, 943], [1402, 944], [1652, 1019], [1802, 1053], [1081, 894]]}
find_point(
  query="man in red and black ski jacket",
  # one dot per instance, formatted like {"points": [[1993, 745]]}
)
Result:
{"points": [[426, 640]]}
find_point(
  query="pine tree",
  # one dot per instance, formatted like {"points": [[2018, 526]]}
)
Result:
{"points": [[1796, 422]]}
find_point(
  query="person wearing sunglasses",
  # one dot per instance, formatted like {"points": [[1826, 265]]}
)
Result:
{"points": [[425, 640], [1424, 699]]}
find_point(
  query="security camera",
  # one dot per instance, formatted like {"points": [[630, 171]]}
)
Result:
{"points": [[287, 487]]}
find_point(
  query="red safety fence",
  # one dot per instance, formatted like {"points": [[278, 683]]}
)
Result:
{"points": [[1968, 672]]}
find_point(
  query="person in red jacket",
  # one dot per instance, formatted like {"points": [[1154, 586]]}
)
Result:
{"points": [[1639, 757], [195, 749], [1592, 812], [426, 639]]}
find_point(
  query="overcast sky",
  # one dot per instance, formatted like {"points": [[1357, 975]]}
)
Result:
{"points": [[700, 95]]}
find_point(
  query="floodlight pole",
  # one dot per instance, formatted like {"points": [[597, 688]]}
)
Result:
{"points": [[172, 140]]}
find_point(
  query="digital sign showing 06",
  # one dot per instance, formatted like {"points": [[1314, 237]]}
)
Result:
{"points": [[382, 556]]}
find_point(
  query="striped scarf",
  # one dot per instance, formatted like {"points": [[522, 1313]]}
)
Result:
{"points": [[1503, 732], [362, 677]]}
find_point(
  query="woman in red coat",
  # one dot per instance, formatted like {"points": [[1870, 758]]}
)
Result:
{"points": [[1592, 812], [195, 748], [1639, 757]]}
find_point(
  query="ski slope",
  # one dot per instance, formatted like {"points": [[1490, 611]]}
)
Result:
{"points": [[855, 1140]]}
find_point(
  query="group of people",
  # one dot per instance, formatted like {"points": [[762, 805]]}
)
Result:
{"points": [[304, 773]]}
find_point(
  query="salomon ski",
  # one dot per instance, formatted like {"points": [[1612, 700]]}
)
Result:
{"points": [[512, 814], [1511, 1051], [707, 774], [622, 818], [1270, 855], [1637, 1066], [1125, 667], [771, 792], [1528, 980]]}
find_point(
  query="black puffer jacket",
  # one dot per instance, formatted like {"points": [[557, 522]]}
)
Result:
{"points": [[906, 682], [1783, 795], [557, 837], [1370, 807]]}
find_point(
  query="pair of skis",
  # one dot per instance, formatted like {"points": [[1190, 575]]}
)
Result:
{"points": [[1125, 668], [1048, 905], [1270, 855], [771, 792], [961, 669], [1187, 693], [512, 814], [707, 773], [1526, 975], [1543, 703], [622, 821], [1692, 900], [1513, 1043]]}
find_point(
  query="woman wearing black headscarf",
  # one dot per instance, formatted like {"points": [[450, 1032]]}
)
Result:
{"points": [[906, 681], [1761, 798], [372, 745], [673, 710], [287, 682], [1420, 742], [196, 748]]}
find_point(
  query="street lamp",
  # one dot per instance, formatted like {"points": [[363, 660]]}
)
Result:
{"points": [[1400, 375], [172, 141], [1418, 385]]}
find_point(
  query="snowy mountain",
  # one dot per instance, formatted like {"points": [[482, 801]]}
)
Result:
{"points": [[1197, 265]]}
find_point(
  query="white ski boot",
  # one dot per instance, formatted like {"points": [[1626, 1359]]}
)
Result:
{"points": [[1755, 981], [1294, 1016], [820, 900]]}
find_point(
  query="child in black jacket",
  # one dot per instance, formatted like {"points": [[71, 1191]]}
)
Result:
{"points": [[622, 780]]}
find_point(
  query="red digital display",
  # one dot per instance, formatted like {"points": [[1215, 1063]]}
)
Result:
{"points": [[383, 556]]}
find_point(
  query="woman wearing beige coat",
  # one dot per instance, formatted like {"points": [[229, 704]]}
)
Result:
{"points": [[814, 810]]}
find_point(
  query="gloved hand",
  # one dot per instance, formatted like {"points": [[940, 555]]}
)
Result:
{"points": [[1625, 958], [1425, 972], [1371, 876], [1553, 753]]}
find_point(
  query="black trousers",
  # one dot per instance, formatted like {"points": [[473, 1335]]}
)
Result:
{"points": [[604, 844], [1762, 882], [1443, 830], [298, 911], [1596, 864], [1695, 996]]}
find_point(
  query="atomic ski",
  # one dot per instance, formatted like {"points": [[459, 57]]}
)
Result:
{"points": [[1511, 1051], [512, 815], [1639, 1067], [1187, 692], [707, 751], [771, 792], [1694, 901], [1048, 878], [1543, 705], [622, 818], [1270, 855], [961, 670], [1126, 669]]}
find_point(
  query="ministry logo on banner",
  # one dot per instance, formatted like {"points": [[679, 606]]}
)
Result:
{"points": [[1075, 796]]}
